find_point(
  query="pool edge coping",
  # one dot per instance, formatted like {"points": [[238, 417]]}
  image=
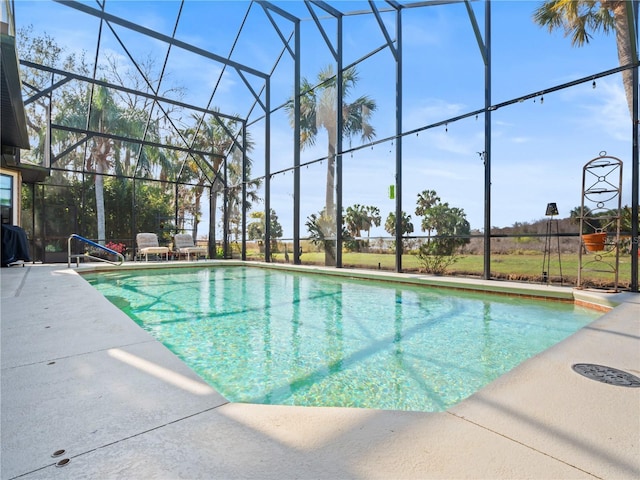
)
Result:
{"points": [[602, 300]]}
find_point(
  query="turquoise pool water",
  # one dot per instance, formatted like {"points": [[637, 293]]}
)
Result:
{"points": [[268, 336]]}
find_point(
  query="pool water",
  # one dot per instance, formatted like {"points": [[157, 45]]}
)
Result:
{"points": [[269, 336]]}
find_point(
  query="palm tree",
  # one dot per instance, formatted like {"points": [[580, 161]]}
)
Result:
{"points": [[390, 224], [355, 219], [235, 182], [215, 136], [580, 18], [105, 117], [373, 218], [427, 199], [359, 217], [322, 231], [318, 109]]}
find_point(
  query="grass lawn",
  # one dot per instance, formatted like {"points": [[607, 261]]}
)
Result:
{"points": [[517, 267]]}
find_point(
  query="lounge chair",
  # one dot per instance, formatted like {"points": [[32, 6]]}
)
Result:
{"points": [[184, 245], [148, 245]]}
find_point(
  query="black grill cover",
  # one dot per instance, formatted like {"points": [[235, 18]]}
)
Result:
{"points": [[15, 246]]}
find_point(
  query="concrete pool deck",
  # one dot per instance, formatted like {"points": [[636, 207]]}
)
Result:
{"points": [[78, 375]]}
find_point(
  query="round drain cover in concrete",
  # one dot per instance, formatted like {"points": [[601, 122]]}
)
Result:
{"points": [[609, 375]]}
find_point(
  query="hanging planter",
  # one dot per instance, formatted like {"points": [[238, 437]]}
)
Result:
{"points": [[594, 242]]}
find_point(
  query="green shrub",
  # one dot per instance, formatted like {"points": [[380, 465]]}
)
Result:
{"points": [[433, 260]]}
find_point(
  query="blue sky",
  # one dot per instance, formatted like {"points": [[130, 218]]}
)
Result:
{"points": [[538, 147]]}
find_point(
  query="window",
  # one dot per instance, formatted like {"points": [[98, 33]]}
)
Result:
{"points": [[6, 199]]}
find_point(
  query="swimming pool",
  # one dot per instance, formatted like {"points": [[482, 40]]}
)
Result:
{"points": [[259, 335]]}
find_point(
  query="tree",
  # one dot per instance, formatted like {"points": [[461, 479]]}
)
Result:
{"points": [[322, 232], [390, 224], [355, 219], [105, 118], [82, 106], [318, 109], [626, 225], [44, 50], [109, 117], [626, 219], [426, 200], [372, 218], [215, 135], [359, 218], [451, 225], [255, 230], [234, 189], [588, 218], [580, 18]]}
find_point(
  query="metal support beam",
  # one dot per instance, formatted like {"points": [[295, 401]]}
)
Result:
{"points": [[120, 88], [225, 212], [47, 90], [267, 7], [339, 133], [319, 26], [159, 36], [383, 28], [296, 148], [635, 170], [485, 51], [212, 223], [337, 160], [267, 172], [176, 208], [399, 217], [122, 138], [476, 32], [280, 11], [487, 144], [244, 193]]}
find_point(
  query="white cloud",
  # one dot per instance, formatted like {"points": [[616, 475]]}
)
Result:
{"points": [[443, 173], [452, 143], [420, 35], [429, 110], [609, 112]]}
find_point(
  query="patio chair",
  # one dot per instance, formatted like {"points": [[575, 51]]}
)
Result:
{"points": [[148, 245], [184, 245]]}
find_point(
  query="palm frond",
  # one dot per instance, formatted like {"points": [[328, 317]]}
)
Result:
{"points": [[578, 19]]}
